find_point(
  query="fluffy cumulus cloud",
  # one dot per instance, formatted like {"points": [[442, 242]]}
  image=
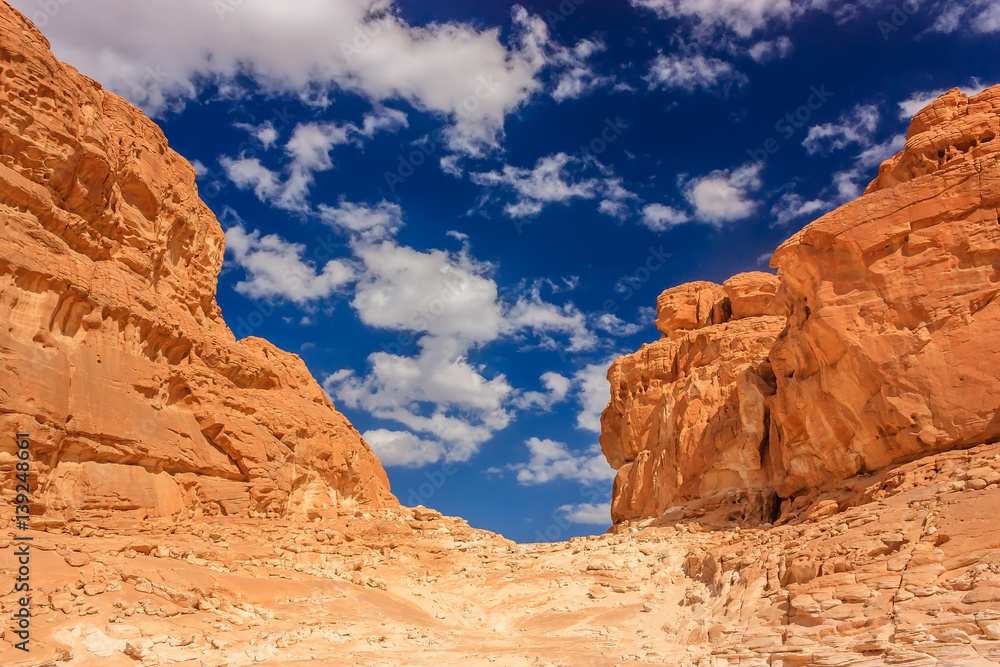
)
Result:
{"points": [[659, 217], [592, 514], [692, 73], [276, 269], [550, 460], [724, 195], [402, 448], [614, 325], [159, 57], [770, 49], [556, 387], [593, 394], [791, 206], [370, 223]]}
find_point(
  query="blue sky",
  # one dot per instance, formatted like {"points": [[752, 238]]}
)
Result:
{"points": [[459, 213]]}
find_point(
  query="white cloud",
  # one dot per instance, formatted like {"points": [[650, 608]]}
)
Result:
{"points": [[989, 19], [435, 292], [577, 77], [724, 195], [275, 268], [264, 133], [533, 313], [855, 127], [615, 209], [659, 217], [556, 388], [593, 394], [199, 167], [691, 73], [550, 460], [770, 49], [875, 154], [158, 56], [587, 513], [846, 185], [401, 448], [614, 325], [791, 206], [982, 16], [443, 304], [547, 182], [370, 223], [436, 392], [309, 151], [706, 19], [554, 179], [251, 173]]}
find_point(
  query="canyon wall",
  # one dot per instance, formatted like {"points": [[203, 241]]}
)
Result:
{"points": [[877, 343], [114, 356]]}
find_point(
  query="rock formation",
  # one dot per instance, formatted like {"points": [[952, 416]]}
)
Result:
{"points": [[113, 353], [688, 413], [785, 522], [878, 342]]}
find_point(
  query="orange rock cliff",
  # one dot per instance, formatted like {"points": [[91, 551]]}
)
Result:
{"points": [[113, 353], [877, 343]]}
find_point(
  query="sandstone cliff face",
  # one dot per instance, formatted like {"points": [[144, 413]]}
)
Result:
{"points": [[893, 344], [890, 350], [113, 353], [688, 415]]}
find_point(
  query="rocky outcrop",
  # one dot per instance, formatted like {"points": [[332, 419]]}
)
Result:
{"points": [[688, 413], [890, 350], [114, 356]]}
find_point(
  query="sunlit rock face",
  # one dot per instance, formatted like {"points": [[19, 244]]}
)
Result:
{"points": [[113, 353], [688, 413], [877, 343]]}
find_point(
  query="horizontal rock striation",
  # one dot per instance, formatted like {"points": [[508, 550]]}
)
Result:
{"points": [[114, 356]]}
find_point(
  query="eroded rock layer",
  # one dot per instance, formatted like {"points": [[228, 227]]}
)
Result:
{"points": [[878, 342], [114, 356]]}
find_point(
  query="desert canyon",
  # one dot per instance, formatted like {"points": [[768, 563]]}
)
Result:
{"points": [[808, 463]]}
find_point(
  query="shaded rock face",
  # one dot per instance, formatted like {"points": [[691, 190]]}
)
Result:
{"points": [[890, 350], [114, 356]]}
